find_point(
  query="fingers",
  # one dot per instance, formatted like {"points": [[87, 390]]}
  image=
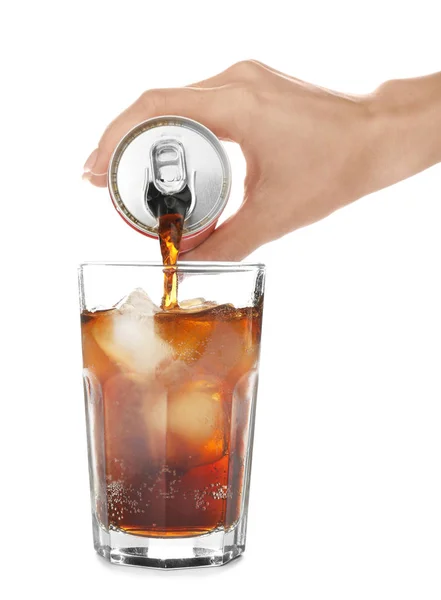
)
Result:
{"points": [[212, 107], [217, 102], [232, 241]]}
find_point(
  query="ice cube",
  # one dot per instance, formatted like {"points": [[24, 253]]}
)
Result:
{"points": [[127, 335], [196, 305], [196, 424], [140, 302], [147, 426], [228, 350], [174, 373], [192, 303]]}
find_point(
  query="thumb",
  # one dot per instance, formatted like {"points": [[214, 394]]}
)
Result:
{"points": [[234, 240], [210, 106]]}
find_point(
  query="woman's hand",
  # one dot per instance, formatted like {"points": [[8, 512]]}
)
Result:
{"points": [[309, 151]]}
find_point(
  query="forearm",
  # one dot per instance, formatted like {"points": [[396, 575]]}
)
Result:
{"points": [[405, 129]]}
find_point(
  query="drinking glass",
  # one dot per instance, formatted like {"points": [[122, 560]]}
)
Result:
{"points": [[170, 404]]}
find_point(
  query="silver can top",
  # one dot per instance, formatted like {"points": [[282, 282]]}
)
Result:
{"points": [[171, 152]]}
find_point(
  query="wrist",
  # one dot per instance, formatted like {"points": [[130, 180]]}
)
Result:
{"points": [[403, 129]]}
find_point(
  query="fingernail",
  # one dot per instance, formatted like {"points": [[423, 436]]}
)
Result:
{"points": [[90, 162]]}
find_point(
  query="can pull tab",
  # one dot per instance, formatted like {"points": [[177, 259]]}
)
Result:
{"points": [[167, 163], [167, 189]]}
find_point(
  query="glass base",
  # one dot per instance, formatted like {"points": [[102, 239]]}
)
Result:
{"points": [[209, 550]]}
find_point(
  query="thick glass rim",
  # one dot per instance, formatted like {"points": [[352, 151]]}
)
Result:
{"points": [[186, 267]]}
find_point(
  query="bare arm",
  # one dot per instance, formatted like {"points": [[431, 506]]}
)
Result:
{"points": [[405, 120]]}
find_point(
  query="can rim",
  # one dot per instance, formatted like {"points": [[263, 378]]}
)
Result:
{"points": [[211, 138]]}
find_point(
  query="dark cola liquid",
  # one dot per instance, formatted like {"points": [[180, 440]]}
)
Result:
{"points": [[170, 445], [170, 233]]}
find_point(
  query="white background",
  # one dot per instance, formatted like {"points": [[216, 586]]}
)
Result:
{"points": [[346, 487]]}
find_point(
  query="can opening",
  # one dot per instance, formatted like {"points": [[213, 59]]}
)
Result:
{"points": [[161, 204]]}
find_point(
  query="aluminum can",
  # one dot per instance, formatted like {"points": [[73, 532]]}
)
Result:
{"points": [[170, 152]]}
